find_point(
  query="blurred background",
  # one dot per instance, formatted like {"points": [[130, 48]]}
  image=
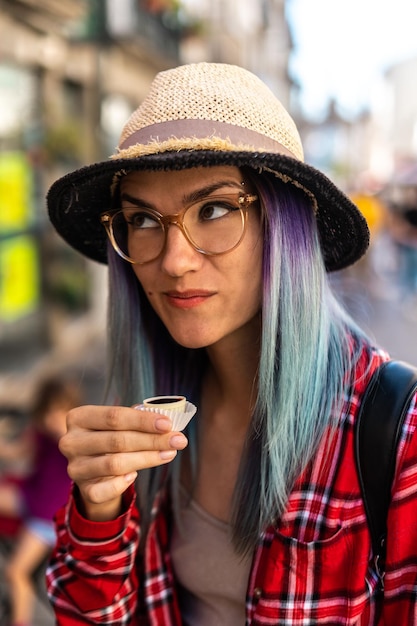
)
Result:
{"points": [[71, 71]]}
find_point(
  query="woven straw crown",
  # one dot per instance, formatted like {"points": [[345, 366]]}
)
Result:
{"points": [[202, 115], [209, 106]]}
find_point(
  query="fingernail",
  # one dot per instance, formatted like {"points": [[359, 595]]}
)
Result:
{"points": [[178, 441], [163, 424], [167, 455], [129, 478]]}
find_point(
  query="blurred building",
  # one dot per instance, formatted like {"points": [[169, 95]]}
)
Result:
{"points": [[70, 71], [252, 33], [363, 153], [400, 128]]}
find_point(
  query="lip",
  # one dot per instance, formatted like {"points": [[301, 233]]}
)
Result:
{"points": [[188, 299]]}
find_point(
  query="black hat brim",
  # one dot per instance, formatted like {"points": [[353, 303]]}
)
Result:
{"points": [[76, 201]]}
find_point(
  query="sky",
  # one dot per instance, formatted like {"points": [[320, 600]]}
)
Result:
{"points": [[343, 47]]}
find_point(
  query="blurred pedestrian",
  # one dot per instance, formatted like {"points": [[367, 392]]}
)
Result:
{"points": [[218, 238], [14, 442], [40, 493], [15, 463], [403, 230], [401, 196]]}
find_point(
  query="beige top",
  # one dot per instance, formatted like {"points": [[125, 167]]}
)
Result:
{"points": [[212, 576]]}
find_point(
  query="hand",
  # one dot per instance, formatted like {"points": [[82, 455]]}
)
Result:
{"points": [[106, 446]]}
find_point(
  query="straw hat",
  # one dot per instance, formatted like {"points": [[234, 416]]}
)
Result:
{"points": [[200, 115]]}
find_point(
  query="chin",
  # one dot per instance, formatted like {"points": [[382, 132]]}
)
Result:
{"points": [[192, 341]]}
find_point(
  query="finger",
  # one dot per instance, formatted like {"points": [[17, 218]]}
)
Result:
{"points": [[116, 465], [93, 417], [82, 443], [105, 490]]}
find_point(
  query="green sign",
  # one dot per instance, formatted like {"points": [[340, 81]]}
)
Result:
{"points": [[15, 192], [19, 262], [19, 277]]}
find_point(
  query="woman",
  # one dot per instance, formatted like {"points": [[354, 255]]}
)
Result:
{"points": [[219, 241]]}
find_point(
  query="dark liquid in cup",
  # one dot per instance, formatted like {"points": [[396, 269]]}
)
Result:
{"points": [[164, 400]]}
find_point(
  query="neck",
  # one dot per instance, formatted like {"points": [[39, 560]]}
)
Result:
{"points": [[231, 380]]}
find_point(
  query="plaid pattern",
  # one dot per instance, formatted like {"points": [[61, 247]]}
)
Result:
{"points": [[312, 566]]}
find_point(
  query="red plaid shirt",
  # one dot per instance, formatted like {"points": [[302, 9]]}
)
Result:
{"points": [[312, 566]]}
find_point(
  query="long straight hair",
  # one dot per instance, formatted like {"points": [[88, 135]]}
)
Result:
{"points": [[307, 354]]}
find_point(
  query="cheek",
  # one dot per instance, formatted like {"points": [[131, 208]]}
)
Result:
{"points": [[149, 283], [253, 282], [144, 279], [245, 279], [254, 275], [253, 260]]}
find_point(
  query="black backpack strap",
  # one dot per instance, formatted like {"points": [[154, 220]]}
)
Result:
{"points": [[378, 429]]}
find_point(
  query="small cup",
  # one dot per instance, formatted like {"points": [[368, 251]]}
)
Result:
{"points": [[173, 403], [176, 407]]}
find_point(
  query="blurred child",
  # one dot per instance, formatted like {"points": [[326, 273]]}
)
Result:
{"points": [[40, 493], [15, 463]]}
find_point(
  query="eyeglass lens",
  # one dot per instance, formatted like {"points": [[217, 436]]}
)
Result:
{"points": [[213, 225]]}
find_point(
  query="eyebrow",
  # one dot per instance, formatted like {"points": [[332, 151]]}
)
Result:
{"points": [[189, 198]]}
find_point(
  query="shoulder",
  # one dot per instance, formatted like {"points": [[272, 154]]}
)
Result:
{"points": [[366, 359]]}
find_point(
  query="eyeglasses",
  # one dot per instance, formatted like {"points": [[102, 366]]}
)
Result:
{"points": [[213, 225]]}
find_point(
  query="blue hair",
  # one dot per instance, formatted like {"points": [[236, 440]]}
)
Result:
{"points": [[307, 356]]}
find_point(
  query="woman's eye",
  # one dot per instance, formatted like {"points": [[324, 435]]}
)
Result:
{"points": [[141, 220], [215, 210]]}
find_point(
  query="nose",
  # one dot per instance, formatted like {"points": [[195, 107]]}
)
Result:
{"points": [[179, 256]]}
